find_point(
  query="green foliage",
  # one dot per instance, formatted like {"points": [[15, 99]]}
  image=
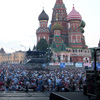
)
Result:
{"points": [[34, 47], [42, 45], [82, 30], [83, 24]]}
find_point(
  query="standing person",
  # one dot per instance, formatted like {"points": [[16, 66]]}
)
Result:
{"points": [[42, 87], [80, 84], [26, 88], [73, 87], [8, 83]]}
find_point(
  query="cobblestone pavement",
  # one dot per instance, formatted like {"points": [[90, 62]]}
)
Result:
{"points": [[24, 96]]}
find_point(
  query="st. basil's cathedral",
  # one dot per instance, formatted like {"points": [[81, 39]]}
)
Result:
{"points": [[65, 34]]}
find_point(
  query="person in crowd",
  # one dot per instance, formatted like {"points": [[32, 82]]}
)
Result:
{"points": [[18, 77]]}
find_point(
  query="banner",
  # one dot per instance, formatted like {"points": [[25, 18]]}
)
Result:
{"points": [[56, 63], [87, 64], [43, 65], [69, 63], [62, 65], [98, 65], [50, 63], [78, 64]]}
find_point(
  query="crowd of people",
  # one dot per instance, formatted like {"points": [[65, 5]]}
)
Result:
{"points": [[19, 78]]}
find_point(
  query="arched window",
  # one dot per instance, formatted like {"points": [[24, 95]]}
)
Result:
{"points": [[68, 25], [76, 25], [73, 25]]}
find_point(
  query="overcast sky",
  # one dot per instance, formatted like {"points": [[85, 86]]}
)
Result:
{"points": [[19, 21]]}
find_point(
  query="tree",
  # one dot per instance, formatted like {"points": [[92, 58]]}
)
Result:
{"points": [[42, 45], [34, 48]]}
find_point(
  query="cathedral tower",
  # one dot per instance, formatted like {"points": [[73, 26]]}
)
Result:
{"points": [[60, 11], [43, 31], [57, 40], [75, 29], [64, 35]]}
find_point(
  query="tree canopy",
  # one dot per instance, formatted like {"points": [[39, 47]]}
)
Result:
{"points": [[42, 45]]}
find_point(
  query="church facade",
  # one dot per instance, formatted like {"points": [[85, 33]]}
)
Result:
{"points": [[65, 35]]}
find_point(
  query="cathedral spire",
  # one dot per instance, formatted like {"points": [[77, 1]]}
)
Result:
{"points": [[59, 11], [73, 5], [59, 4], [59, 1]]}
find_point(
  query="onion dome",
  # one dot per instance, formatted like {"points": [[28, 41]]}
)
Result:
{"points": [[57, 26], [43, 16], [74, 15], [82, 24], [82, 30]]}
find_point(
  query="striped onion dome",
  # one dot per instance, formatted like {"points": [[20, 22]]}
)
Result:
{"points": [[43, 16], [74, 15]]}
